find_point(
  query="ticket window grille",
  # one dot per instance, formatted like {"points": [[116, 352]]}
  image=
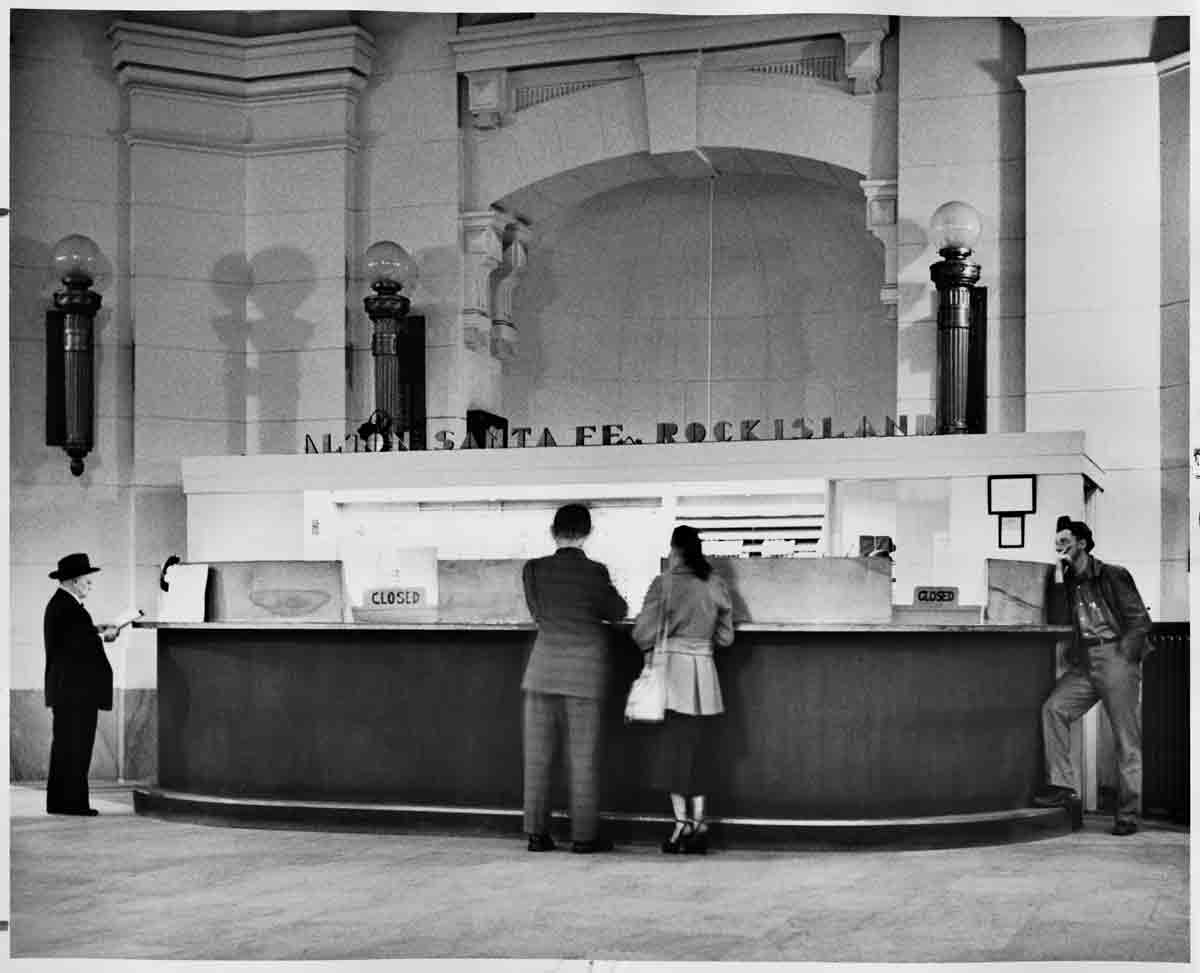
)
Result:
{"points": [[794, 528]]}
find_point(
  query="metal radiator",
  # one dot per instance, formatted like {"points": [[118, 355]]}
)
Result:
{"points": [[1165, 723]]}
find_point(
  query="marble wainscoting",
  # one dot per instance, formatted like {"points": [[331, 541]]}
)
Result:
{"points": [[1018, 591], [141, 734], [29, 736]]}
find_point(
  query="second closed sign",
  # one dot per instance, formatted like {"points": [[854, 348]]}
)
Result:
{"points": [[396, 598], [941, 597]]}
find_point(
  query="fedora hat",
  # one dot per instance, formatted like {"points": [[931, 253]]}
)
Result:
{"points": [[72, 566]]}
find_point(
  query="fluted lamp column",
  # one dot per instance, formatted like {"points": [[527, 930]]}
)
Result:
{"points": [[70, 391], [389, 267], [954, 228]]}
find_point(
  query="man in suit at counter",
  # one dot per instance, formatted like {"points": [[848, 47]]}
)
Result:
{"points": [[1110, 624], [572, 600], [79, 683]]}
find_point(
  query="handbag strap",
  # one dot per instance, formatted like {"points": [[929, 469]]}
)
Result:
{"points": [[660, 642]]}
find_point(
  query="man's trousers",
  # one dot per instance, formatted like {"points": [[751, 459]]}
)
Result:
{"points": [[1112, 679], [549, 718], [73, 735]]}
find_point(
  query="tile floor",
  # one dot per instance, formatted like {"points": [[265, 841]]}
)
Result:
{"points": [[123, 886]]}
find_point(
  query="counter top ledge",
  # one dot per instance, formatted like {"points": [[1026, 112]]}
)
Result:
{"points": [[443, 626]]}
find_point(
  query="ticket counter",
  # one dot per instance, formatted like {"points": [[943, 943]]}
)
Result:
{"points": [[854, 716], [876, 731]]}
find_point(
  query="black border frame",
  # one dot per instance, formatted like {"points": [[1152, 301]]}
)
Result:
{"points": [[1031, 477], [1000, 519]]}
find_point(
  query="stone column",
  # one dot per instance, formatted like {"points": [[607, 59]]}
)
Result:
{"points": [[238, 154], [516, 259], [241, 166], [1093, 344], [483, 249]]}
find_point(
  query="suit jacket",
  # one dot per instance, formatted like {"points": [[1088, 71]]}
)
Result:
{"points": [[77, 669], [1121, 602], [571, 597]]}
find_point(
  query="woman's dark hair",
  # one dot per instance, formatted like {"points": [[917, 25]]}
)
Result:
{"points": [[686, 540], [162, 574], [571, 522]]}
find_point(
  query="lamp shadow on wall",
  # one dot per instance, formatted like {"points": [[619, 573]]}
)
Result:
{"points": [[537, 291], [282, 278], [232, 279], [916, 351]]}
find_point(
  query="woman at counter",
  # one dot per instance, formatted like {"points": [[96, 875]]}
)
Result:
{"points": [[692, 607], [571, 598]]}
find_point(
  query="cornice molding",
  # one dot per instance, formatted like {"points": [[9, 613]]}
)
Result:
{"points": [[195, 53], [229, 147], [1056, 23], [559, 39], [1059, 43], [140, 77], [1055, 77]]}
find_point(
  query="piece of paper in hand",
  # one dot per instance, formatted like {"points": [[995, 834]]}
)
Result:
{"points": [[127, 617]]}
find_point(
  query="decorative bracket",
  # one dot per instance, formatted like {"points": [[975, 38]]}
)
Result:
{"points": [[483, 250], [881, 220], [864, 62], [672, 84], [487, 97], [516, 259]]}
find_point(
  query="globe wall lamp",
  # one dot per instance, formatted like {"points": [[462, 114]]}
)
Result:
{"points": [[70, 391], [389, 268], [954, 229]]}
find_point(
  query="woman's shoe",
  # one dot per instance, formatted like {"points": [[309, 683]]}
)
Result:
{"points": [[675, 844], [696, 843]]}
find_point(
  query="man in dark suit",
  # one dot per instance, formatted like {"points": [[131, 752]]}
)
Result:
{"points": [[79, 683], [573, 601]]}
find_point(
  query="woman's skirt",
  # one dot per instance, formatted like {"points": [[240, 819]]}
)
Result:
{"points": [[681, 760]]}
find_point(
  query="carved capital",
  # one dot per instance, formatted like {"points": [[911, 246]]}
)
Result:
{"points": [[487, 97], [507, 277], [504, 341], [881, 197], [864, 62], [483, 250], [881, 202]]}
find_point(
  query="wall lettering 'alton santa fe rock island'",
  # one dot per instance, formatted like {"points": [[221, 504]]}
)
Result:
{"points": [[612, 434]]}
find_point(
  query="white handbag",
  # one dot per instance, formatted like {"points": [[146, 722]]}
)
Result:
{"points": [[647, 702]]}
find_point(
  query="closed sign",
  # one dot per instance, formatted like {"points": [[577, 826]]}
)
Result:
{"points": [[935, 597], [396, 598]]}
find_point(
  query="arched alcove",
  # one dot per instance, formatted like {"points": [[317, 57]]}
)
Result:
{"points": [[617, 324]]}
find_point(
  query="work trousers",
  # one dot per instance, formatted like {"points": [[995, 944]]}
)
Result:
{"points": [[1108, 677], [548, 719], [73, 734]]}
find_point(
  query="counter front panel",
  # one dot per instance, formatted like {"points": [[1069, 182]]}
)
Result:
{"points": [[821, 722]]}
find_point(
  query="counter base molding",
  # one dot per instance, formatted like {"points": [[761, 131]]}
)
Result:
{"points": [[946, 831], [858, 728]]}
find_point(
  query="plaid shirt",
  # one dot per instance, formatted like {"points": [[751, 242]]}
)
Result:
{"points": [[1117, 600]]}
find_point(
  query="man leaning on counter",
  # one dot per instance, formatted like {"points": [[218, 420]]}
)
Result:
{"points": [[1110, 623]]}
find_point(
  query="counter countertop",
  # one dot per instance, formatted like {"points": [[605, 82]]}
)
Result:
{"points": [[442, 626]]}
